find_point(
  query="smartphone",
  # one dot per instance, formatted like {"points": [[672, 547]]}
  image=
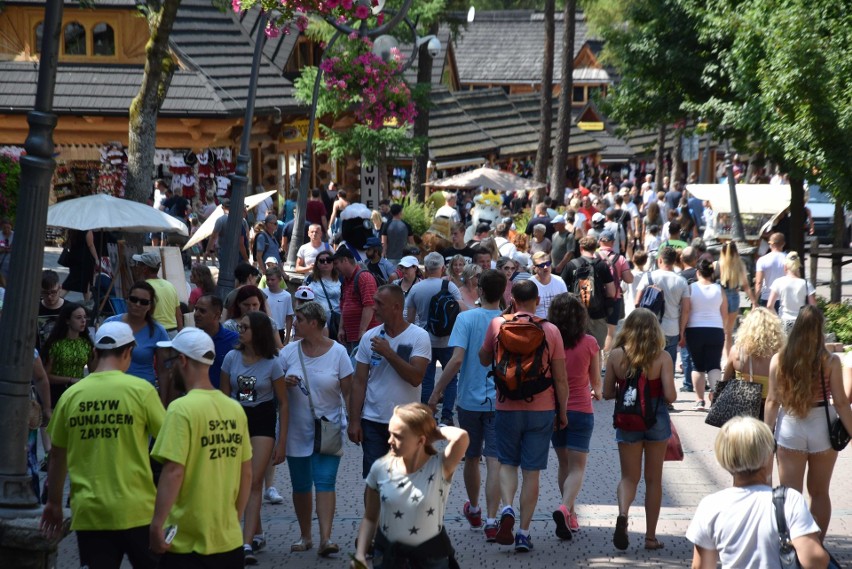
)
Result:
{"points": [[170, 533]]}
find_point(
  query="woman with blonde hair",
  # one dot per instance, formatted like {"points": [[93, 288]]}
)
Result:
{"points": [[734, 525], [470, 285], [760, 337], [793, 292], [802, 377], [407, 491], [454, 274], [733, 276], [639, 348]]}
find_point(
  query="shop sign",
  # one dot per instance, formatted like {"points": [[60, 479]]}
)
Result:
{"points": [[370, 185], [588, 125], [297, 131]]}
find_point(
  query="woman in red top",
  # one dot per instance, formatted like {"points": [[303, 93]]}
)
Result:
{"points": [[583, 367], [639, 348]]}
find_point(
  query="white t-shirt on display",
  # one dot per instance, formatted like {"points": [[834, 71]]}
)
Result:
{"points": [[324, 375], [739, 523], [793, 294], [385, 388], [772, 265], [547, 292], [280, 307]]}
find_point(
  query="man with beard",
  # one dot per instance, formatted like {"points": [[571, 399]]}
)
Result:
{"points": [[206, 455]]}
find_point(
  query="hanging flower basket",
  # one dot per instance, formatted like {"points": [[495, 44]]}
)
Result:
{"points": [[284, 13]]}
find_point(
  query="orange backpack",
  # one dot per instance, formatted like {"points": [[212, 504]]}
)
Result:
{"points": [[519, 367]]}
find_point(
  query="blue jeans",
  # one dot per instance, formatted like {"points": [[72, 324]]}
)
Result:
{"points": [[671, 348], [442, 355], [686, 360]]}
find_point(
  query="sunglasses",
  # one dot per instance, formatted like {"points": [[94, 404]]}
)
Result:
{"points": [[139, 301], [544, 265], [243, 327], [324, 261]]}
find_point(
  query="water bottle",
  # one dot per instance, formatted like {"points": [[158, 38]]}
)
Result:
{"points": [[375, 357]]}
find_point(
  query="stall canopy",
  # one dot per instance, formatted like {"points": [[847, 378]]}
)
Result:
{"points": [[754, 199], [101, 211], [206, 229], [487, 178]]}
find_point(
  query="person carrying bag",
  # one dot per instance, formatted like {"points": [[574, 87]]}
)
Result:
{"points": [[328, 438]]}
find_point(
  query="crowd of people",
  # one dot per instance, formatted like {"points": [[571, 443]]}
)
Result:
{"points": [[171, 433]]}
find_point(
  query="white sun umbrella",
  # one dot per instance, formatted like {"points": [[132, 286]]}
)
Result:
{"points": [[487, 178], [101, 211], [206, 229]]}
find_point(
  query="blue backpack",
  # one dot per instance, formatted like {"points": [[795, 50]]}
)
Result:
{"points": [[443, 311], [653, 299]]}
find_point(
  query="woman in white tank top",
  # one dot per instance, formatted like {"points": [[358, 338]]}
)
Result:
{"points": [[703, 329]]}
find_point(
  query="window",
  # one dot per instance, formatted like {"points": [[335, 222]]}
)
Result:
{"points": [[39, 34], [103, 39], [75, 39], [579, 95]]}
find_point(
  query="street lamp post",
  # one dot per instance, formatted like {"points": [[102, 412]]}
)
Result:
{"points": [[18, 323], [737, 231], [297, 238]]}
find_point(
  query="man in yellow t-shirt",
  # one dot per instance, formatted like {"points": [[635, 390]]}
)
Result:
{"points": [[167, 310], [206, 456], [100, 431]]}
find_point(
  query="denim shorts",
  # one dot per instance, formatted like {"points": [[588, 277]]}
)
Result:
{"points": [[317, 470], [661, 431], [480, 428], [374, 443], [733, 295], [578, 434], [524, 438]]}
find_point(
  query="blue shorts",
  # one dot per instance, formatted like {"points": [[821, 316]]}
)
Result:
{"points": [[374, 443], [733, 295], [524, 438], [480, 429], [661, 431], [317, 470], [578, 434]]}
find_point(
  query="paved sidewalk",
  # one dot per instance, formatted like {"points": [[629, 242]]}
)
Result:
{"points": [[684, 484]]}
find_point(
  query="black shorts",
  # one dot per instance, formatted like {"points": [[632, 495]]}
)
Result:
{"points": [[105, 549], [262, 419], [234, 559], [617, 312], [705, 348]]}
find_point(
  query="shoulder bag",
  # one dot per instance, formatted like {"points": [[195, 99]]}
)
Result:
{"points": [[836, 431], [333, 321], [789, 559], [328, 438], [735, 397]]}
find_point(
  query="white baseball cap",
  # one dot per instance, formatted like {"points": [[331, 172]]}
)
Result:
{"points": [[113, 335], [408, 261], [304, 293], [194, 343]]}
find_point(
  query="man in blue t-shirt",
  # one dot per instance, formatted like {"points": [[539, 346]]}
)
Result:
{"points": [[208, 312], [476, 395]]}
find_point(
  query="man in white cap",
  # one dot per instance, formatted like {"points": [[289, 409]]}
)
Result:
{"points": [[206, 454], [167, 311], [100, 429]]}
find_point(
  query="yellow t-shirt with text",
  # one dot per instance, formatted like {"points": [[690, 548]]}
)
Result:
{"points": [[206, 432], [104, 421]]}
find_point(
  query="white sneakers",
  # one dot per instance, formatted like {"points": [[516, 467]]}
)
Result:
{"points": [[272, 496]]}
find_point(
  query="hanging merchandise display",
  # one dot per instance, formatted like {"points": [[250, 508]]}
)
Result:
{"points": [[113, 171]]}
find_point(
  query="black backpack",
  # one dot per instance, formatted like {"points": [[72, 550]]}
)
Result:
{"points": [[586, 286], [443, 311]]}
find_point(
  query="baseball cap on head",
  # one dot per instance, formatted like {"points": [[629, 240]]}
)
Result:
{"points": [[408, 261], [194, 343], [373, 243], [558, 219], [150, 259], [304, 293], [113, 335], [598, 218], [607, 236]]}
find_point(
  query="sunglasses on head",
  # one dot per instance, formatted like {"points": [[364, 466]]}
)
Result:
{"points": [[544, 265], [139, 301]]}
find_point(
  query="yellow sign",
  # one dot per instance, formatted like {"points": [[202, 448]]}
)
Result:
{"points": [[590, 125], [297, 131]]}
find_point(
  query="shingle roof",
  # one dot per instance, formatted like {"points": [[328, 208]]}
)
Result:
{"points": [[494, 112], [508, 47], [277, 49], [452, 133], [528, 105], [215, 54]]}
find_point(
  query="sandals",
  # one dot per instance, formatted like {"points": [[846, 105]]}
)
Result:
{"points": [[652, 544], [328, 548], [620, 539], [301, 545]]}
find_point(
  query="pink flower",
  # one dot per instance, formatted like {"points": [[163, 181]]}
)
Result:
{"points": [[272, 31], [347, 4], [236, 6], [362, 12], [380, 19]]}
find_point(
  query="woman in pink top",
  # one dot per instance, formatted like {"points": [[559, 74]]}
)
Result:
{"points": [[583, 367]]}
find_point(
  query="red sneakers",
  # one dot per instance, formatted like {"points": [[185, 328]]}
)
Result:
{"points": [[473, 518], [490, 533]]}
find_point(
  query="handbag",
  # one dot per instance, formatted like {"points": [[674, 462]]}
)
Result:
{"points": [[836, 431], [674, 450], [328, 438], [735, 397], [64, 259], [333, 322], [789, 559]]}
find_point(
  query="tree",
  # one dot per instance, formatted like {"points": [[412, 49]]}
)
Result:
{"points": [[542, 154], [563, 128], [159, 67]]}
